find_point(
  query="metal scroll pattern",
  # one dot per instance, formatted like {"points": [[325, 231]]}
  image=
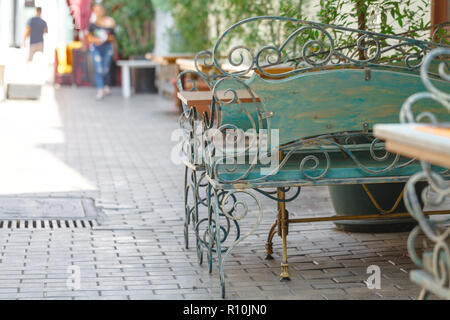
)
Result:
{"points": [[197, 191], [191, 153], [312, 45], [315, 163], [437, 233], [316, 49]]}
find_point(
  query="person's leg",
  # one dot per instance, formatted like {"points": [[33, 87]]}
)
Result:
{"points": [[33, 49], [31, 53], [39, 47], [107, 59], [98, 70], [98, 67]]}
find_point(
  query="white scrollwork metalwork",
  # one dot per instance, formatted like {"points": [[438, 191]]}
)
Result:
{"points": [[436, 232]]}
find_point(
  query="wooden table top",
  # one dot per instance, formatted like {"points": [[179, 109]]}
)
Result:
{"points": [[421, 141], [204, 98], [189, 64], [167, 59]]}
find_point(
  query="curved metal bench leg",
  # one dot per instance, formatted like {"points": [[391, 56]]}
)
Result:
{"points": [[194, 217], [202, 235], [210, 229], [199, 242], [220, 210], [269, 242], [218, 242], [187, 213], [199, 251], [284, 216]]}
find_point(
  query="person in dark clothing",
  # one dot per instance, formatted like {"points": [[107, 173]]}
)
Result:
{"points": [[103, 48], [36, 27]]}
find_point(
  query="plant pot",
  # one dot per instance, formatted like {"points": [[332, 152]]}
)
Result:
{"points": [[350, 200]]}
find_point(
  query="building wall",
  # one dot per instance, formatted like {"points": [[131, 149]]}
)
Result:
{"points": [[6, 22], [163, 21]]}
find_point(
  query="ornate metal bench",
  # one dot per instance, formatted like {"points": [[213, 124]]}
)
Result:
{"points": [[308, 126], [429, 142]]}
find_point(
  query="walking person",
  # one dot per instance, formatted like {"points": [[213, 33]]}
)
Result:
{"points": [[103, 48], [36, 27]]}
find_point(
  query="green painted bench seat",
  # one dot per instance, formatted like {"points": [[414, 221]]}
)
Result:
{"points": [[332, 101], [342, 171]]}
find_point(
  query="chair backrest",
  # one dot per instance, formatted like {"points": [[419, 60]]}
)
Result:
{"points": [[325, 87], [331, 101]]}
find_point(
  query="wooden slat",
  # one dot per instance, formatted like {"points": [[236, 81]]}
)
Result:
{"points": [[168, 59], [189, 64], [271, 70], [204, 98], [331, 101], [186, 64], [420, 153], [419, 141]]}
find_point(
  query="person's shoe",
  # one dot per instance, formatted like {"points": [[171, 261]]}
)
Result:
{"points": [[100, 94], [107, 91]]}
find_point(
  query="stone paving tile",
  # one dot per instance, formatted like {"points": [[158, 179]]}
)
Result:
{"points": [[121, 151]]}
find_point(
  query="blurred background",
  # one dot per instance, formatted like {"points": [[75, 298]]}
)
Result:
{"points": [[166, 30]]}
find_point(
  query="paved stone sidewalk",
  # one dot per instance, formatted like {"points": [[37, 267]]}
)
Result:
{"points": [[118, 153]]}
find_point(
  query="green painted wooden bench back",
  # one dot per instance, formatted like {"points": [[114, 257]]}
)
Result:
{"points": [[332, 101]]}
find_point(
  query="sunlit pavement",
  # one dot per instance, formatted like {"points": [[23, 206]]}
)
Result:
{"points": [[26, 166], [118, 153]]}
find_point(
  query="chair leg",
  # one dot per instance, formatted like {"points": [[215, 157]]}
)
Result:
{"points": [[195, 220], [187, 213], [269, 243], [284, 224], [218, 242], [284, 263], [276, 227], [211, 235]]}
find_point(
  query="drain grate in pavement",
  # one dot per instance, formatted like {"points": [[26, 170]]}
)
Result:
{"points": [[47, 224], [48, 213]]}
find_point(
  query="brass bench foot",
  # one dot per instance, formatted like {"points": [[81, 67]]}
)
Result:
{"points": [[285, 273]]}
